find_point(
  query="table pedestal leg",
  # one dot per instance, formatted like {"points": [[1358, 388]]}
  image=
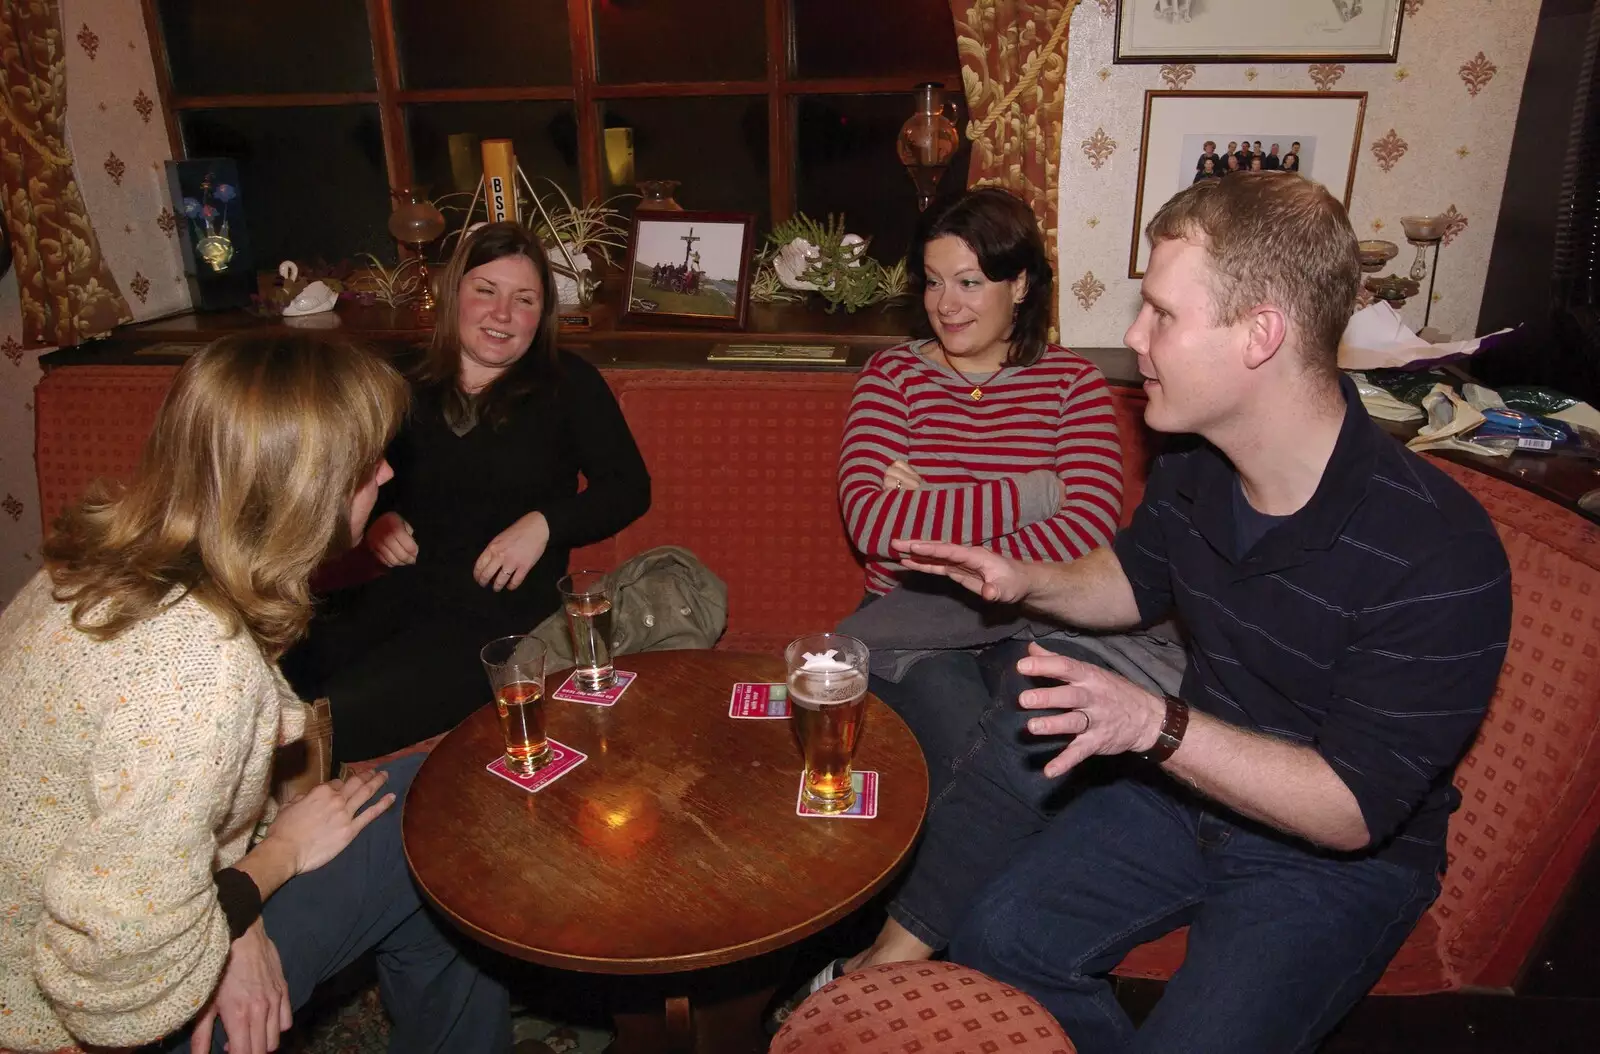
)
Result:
{"points": [[707, 1012]]}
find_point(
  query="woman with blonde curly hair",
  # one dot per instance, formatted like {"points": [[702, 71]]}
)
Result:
{"points": [[140, 704]]}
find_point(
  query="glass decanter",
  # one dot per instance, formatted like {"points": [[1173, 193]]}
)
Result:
{"points": [[928, 140]]}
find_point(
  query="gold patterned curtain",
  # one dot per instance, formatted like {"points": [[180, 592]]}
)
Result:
{"points": [[1014, 69], [68, 294]]}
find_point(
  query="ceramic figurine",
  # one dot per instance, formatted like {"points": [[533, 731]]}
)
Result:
{"points": [[791, 262], [313, 299]]}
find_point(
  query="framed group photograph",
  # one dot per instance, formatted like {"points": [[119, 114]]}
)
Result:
{"points": [[1192, 135], [1258, 30], [690, 267]]}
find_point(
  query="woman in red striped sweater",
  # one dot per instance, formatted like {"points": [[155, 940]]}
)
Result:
{"points": [[987, 435]]}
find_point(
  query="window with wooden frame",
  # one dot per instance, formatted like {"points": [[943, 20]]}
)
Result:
{"points": [[763, 106]]}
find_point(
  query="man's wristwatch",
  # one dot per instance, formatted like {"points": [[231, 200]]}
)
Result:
{"points": [[1171, 734]]}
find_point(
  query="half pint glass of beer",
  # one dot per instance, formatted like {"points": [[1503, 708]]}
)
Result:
{"points": [[515, 666], [587, 598], [828, 694]]}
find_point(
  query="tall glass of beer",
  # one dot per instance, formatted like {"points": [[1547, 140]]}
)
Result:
{"points": [[516, 667], [828, 693], [587, 598]]}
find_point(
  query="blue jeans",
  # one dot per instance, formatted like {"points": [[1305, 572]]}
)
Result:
{"points": [[1282, 940], [994, 797], [364, 899], [941, 699]]}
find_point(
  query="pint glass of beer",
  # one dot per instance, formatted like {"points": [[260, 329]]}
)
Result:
{"points": [[828, 694], [587, 599], [515, 666]]}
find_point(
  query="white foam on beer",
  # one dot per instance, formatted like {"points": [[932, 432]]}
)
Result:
{"points": [[819, 681], [824, 662]]}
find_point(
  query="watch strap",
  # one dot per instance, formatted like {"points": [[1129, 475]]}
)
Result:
{"points": [[1172, 729]]}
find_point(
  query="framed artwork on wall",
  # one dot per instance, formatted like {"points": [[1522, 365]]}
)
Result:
{"points": [[1258, 30], [1192, 135], [690, 267]]}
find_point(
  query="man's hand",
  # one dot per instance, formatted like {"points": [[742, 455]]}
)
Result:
{"points": [[1105, 713], [508, 558], [990, 575], [252, 999], [389, 538], [901, 476]]}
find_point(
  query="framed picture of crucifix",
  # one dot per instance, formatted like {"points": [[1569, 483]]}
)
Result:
{"points": [[691, 268]]}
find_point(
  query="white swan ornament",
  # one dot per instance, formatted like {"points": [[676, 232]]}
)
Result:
{"points": [[313, 299]]}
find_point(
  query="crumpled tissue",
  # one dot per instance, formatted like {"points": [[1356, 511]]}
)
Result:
{"points": [[1377, 338]]}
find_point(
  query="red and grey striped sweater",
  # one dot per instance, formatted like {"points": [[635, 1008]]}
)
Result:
{"points": [[972, 456]]}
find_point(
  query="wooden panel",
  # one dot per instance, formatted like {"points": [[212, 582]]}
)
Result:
{"points": [[580, 23], [397, 159]]}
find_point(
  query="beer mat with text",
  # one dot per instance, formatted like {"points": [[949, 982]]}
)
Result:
{"points": [[563, 759], [758, 702], [571, 693], [865, 807]]}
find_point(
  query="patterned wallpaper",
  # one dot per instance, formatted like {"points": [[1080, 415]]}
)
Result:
{"points": [[119, 143], [1436, 138]]}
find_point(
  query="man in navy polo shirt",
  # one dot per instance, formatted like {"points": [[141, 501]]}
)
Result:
{"points": [[1347, 607]]}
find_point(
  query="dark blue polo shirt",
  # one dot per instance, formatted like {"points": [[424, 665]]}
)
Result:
{"points": [[1369, 625]]}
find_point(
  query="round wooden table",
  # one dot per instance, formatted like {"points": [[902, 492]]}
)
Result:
{"points": [[673, 849]]}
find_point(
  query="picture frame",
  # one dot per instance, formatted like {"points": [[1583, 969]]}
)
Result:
{"points": [[1322, 129], [708, 285], [1258, 30], [208, 208]]}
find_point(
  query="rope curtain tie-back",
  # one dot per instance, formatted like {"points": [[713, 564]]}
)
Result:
{"points": [[1030, 74]]}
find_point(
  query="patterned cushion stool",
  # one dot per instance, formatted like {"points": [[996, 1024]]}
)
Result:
{"points": [[920, 1008]]}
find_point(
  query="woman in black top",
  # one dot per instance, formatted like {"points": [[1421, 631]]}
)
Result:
{"points": [[484, 508]]}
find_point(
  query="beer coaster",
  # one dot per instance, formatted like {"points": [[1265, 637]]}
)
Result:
{"points": [[570, 692], [865, 808], [563, 759], [759, 702]]}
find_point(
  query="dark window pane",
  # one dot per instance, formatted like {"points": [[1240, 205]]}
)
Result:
{"points": [[225, 47], [446, 157], [846, 164], [715, 147], [482, 43], [311, 178], [641, 41], [879, 38]]}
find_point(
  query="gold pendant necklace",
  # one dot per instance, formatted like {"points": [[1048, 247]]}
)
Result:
{"points": [[977, 389]]}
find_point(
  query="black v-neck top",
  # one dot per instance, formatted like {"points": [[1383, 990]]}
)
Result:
{"points": [[459, 492]]}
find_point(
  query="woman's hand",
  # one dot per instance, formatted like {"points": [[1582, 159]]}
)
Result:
{"points": [[252, 999], [506, 561], [389, 538], [315, 827], [901, 476]]}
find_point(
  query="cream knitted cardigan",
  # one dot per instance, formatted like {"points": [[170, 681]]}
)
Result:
{"points": [[130, 771]]}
